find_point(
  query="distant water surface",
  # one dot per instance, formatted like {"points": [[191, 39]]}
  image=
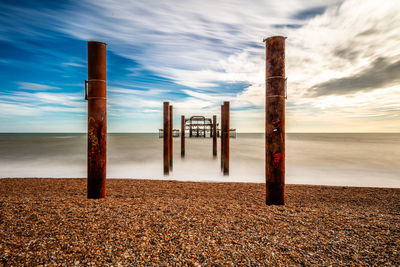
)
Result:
{"points": [[321, 159]]}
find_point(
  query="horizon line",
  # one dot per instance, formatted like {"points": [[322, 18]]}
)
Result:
{"points": [[236, 132]]}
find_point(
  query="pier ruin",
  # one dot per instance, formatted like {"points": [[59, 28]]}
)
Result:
{"points": [[195, 126]]}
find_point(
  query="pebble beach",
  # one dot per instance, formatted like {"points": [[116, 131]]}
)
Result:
{"points": [[154, 222]]}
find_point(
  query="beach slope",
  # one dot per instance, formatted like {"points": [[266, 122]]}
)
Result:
{"points": [[50, 221]]}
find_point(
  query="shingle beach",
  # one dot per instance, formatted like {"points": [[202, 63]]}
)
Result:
{"points": [[50, 222]]}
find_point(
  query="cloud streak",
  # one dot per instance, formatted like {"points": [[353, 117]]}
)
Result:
{"points": [[36, 86], [342, 57], [378, 74]]}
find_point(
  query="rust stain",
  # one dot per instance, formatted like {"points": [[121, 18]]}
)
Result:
{"points": [[277, 159]]}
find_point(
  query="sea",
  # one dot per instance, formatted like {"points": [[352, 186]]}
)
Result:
{"points": [[339, 159]]}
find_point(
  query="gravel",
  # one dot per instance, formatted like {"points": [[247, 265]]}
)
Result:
{"points": [[147, 222]]}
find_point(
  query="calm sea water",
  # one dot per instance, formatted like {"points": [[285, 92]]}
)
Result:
{"points": [[323, 159]]}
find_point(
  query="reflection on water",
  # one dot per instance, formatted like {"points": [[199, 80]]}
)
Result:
{"points": [[330, 159]]}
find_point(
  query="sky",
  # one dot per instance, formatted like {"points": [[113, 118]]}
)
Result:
{"points": [[342, 62]]}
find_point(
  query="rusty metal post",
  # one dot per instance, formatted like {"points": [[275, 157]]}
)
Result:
{"points": [[204, 128], [214, 135], [183, 125], [226, 134], [166, 138], [96, 94], [275, 82], [222, 138], [171, 138]]}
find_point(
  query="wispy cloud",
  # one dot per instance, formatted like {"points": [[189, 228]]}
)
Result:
{"points": [[74, 64], [35, 103], [378, 74], [342, 56], [36, 86]]}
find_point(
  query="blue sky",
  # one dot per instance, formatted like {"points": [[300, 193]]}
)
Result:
{"points": [[343, 63]]}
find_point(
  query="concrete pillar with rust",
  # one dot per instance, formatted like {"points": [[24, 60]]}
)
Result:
{"points": [[214, 135], [171, 138], [275, 85], [183, 125], [96, 94], [166, 139], [225, 134]]}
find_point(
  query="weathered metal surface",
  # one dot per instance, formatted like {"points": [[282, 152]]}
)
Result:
{"points": [[199, 125], [183, 125], [171, 139], [214, 135], [226, 138], [97, 120], [166, 139], [222, 138], [275, 121]]}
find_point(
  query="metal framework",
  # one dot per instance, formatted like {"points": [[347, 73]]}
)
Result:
{"points": [[198, 126]]}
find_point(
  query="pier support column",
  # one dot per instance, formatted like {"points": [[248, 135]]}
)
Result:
{"points": [[96, 94], [275, 120], [204, 128], [166, 139], [183, 125], [225, 134], [222, 138], [171, 138], [214, 135]]}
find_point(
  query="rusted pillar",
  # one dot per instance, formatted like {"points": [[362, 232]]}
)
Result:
{"points": [[214, 135], [171, 138], [275, 120], [166, 138], [226, 138], [222, 138], [204, 127], [96, 94], [183, 124]]}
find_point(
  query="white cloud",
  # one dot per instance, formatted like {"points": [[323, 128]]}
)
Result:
{"points": [[40, 103], [74, 64], [201, 44], [36, 86], [184, 41]]}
